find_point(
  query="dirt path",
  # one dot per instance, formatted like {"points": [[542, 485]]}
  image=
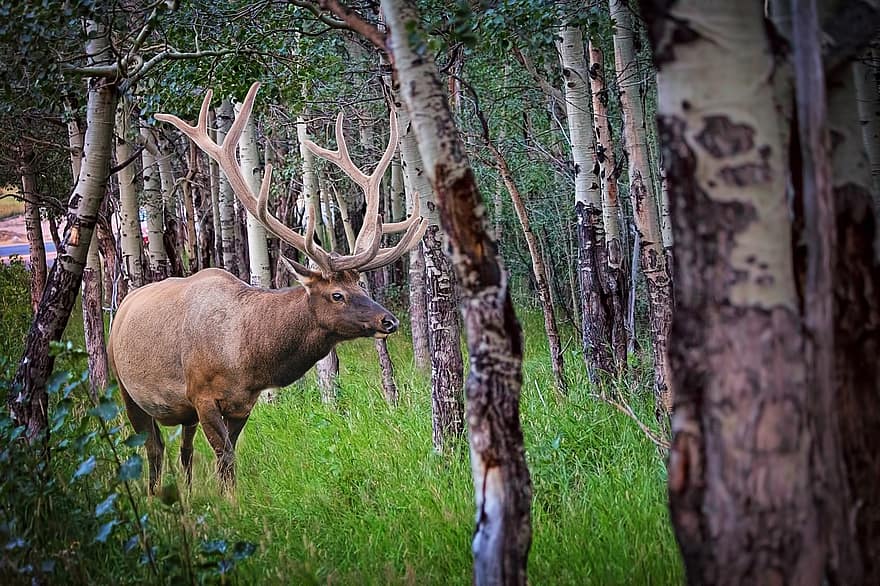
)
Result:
{"points": [[14, 242]]}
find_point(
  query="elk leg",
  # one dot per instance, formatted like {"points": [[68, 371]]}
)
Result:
{"points": [[143, 423], [186, 450], [218, 436]]}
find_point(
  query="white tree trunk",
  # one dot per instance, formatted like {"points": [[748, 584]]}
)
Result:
{"points": [[130, 236], [258, 249], [226, 197], [643, 196], [502, 486], [592, 257], [441, 313], [155, 210]]}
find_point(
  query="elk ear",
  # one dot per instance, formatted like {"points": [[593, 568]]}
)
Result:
{"points": [[306, 276]]}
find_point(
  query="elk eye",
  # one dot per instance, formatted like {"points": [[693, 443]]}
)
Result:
{"points": [[338, 297]]}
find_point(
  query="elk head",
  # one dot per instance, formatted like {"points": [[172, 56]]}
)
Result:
{"points": [[335, 295]]}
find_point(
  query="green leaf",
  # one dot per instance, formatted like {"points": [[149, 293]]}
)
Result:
{"points": [[131, 468], [85, 468], [243, 550], [136, 440], [105, 530], [106, 505], [214, 546], [106, 410]]}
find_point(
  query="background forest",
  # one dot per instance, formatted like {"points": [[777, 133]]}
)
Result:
{"points": [[639, 325]]}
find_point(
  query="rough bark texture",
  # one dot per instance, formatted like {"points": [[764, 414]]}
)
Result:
{"points": [[155, 210], [28, 399], [441, 312], [592, 256], [226, 198], [856, 322], [33, 225], [615, 273], [93, 321], [642, 194], [740, 487], [502, 536]]}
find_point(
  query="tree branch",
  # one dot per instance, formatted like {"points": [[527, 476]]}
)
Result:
{"points": [[542, 82], [356, 23], [171, 54], [316, 10]]}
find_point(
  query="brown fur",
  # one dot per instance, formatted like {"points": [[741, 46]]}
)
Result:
{"points": [[201, 349]]}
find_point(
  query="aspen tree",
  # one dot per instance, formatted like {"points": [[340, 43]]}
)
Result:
{"points": [[502, 536], [643, 195], [258, 249], [592, 255]]}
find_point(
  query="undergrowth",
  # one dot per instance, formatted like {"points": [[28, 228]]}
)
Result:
{"points": [[349, 493]]}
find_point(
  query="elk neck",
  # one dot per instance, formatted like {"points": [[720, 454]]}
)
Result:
{"points": [[282, 335]]}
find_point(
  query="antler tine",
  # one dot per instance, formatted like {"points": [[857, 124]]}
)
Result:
{"points": [[387, 256], [256, 204], [230, 141], [371, 191], [395, 227]]}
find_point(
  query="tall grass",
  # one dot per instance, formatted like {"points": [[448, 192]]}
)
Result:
{"points": [[10, 207], [353, 493]]}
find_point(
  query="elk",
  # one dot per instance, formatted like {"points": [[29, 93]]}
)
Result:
{"points": [[201, 349]]}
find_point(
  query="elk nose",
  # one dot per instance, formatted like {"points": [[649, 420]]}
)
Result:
{"points": [[389, 324]]}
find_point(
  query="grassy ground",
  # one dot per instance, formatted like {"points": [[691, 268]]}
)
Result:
{"points": [[354, 494]]}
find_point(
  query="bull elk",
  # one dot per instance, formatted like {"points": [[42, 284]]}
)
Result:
{"points": [[201, 349]]}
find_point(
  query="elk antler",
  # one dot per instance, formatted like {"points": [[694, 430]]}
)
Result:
{"points": [[366, 254], [364, 257]]}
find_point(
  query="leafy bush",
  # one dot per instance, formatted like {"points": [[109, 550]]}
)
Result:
{"points": [[15, 307], [72, 508]]}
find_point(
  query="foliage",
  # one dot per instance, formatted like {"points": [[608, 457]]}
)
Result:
{"points": [[15, 308], [72, 509]]}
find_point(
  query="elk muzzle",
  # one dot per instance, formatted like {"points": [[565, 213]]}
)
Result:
{"points": [[388, 324]]}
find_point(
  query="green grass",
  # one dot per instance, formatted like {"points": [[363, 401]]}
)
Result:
{"points": [[353, 493]]}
